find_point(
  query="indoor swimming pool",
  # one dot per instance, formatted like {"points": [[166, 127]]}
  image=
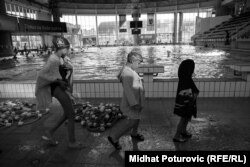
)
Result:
{"points": [[104, 63]]}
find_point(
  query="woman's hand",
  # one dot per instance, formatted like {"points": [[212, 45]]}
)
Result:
{"points": [[137, 107], [62, 83]]}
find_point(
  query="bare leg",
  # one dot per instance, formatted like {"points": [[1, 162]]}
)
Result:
{"points": [[184, 130], [179, 128], [68, 109], [135, 128], [125, 126]]}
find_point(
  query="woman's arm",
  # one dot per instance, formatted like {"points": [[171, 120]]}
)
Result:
{"points": [[128, 91], [50, 72]]}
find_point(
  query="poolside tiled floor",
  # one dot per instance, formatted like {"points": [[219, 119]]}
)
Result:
{"points": [[222, 124]]}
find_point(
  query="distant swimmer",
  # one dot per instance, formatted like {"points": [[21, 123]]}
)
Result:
{"points": [[169, 52]]}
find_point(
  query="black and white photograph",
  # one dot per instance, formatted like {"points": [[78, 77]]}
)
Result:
{"points": [[124, 83]]}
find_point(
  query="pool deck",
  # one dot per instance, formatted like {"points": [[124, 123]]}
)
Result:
{"points": [[222, 124]]}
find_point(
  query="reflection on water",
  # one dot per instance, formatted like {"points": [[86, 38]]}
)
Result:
{"points": [[104, 63]]}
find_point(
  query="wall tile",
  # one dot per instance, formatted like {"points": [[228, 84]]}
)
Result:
{"points": [[166, 86], [146, 86], [248, 86], [111, 87], [172, 94], [120, 88], [202, 86], [92, 88], [93, 95], [150, 94], [222, 94], [231, 94], [87, 88], [1, 88], [83, 88], [87, 95], [217, 86], [97, 87], [102, 89], [155, 87], [175, 85], [242, 94], [247, 94], [116, 87], [243, 86], [150, 85], [232, 86], [211, 86], [161, 94], [211, 94], [165, 94], [155, 94], [102, 95], [216, 94], [227, 86], [207, 84], [171, 86], [222, 86], [160, 89], [227, 94]]}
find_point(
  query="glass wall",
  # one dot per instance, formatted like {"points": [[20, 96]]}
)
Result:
{"points": [[125, 38], [68, 19], [106, 30], [88, 29], [189, 23], [165, 27], [19, 11], [31, 41]]}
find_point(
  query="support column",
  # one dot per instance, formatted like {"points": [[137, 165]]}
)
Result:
{"points": [[180, 27], [6, 48], [136, 16], [2, 7], [221, 10], [155, 26], [56, 15], [175, 28], [97, 31]]}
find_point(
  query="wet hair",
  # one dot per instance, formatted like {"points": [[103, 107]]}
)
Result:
{"points": [[134, 56], [186, 69]]}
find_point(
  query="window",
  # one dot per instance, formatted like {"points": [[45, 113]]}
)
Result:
{"points": [[31, 41], [88, 25], [19, 11], [68, 19], [165, 27], [125, 38], [106, 30]]}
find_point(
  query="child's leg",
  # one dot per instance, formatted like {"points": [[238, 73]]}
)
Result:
{"points": [[180, 128], [135, 128], [185, 123]]}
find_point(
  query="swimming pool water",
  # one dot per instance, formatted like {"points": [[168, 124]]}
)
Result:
{"points": [[104, 63]]}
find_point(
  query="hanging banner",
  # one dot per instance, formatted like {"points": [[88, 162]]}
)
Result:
{"points": [[150, 22], [122, 23], [26, 25]]}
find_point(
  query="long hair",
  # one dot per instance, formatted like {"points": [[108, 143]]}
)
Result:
{"points": [[186, 69]]}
